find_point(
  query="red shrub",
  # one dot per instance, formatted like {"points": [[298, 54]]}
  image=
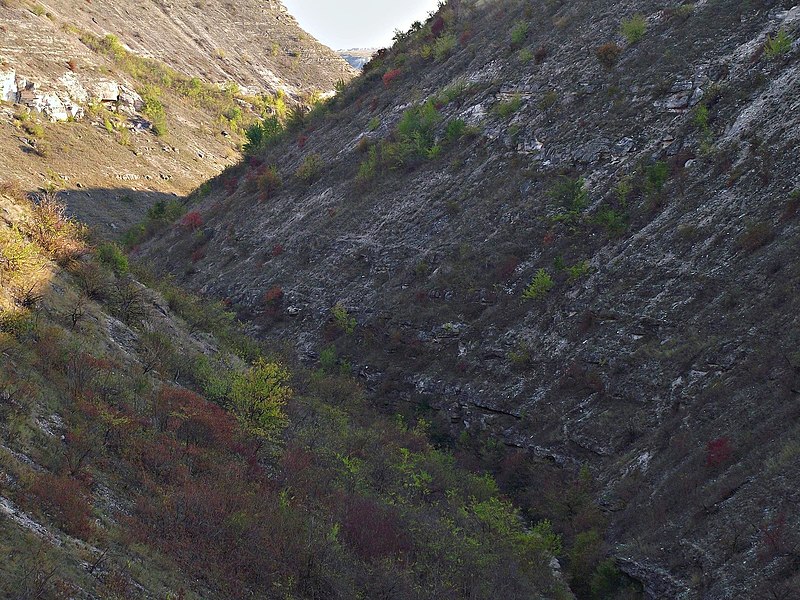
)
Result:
{"points": [[199, 254], [390, 76], [437, 28], [718, 451], [373, 531], [373, 105], [277, 250], [274, 295], [302, 141], [231, 185], [549, 238], [465, 37], [65, 501], [192, 221], [507, 267]]}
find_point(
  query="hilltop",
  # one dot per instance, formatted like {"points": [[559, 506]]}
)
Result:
{"points": [[564, 233]]}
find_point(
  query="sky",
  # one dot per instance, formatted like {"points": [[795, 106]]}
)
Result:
{"points": [[345, 24]]}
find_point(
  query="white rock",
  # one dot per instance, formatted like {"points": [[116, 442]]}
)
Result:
{"points": [[105, 91], [51, 106], [8, 86], [74, 88], [129, 101]]}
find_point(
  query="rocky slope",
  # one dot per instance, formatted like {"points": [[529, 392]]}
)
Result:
{"points": [[114, 70], [572, 226]]}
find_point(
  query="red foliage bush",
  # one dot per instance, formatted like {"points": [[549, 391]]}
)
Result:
{"points": [[192, 221], [608, 54], [64, 499], [274, 295], [373, 531], [718, 452], [437, 28], [231, 185], [199, 254], [277, 250], [507, 267], [465, 37], [302, 141], [193, 419], [390, 76]]}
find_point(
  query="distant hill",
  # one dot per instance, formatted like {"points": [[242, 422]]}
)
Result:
{"points": [[358, 57]]}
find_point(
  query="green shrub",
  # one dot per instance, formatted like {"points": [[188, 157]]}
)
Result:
{"points": [[111, 255], [777, 46], [444, 46], [526, 55], [343, 319], [633, 29], [153, 109], [614, 222], [257, 398], [506, 108], [540, 286], [519, 33], [455, 130], [311, 169], [571, 195], [260, 135]]}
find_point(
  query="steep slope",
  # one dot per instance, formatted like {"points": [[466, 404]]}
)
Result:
{"points": [[148, 449], [572, 226], [122, 105]]}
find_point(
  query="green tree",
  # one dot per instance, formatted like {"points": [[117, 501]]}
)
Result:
{"points": [[257, 397]]}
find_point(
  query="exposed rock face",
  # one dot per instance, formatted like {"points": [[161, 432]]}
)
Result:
{"points": [[665, 355]]}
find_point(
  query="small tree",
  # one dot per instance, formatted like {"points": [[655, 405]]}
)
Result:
{"points": [[257, 398]]}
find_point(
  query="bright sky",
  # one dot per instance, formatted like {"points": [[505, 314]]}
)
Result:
{"points": [[345, 24]]}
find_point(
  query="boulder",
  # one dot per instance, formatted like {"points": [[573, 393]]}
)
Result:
{"points": [[8, 86], [129, 101], [74, 88], [51, 106], [105, 91]]}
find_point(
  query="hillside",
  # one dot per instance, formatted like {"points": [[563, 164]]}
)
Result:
{"points": [[565, 233], [121, 106], [150, 450]]}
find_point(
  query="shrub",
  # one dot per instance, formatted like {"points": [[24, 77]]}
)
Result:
{"points": [[390, 76], [111, 255], [506, 108], [572, 195], [444, 46], [343, 319], [540, 54], [614, 222], [656, 176], [257, 398], [526, 55], [608, 54], [311, 169], [66, 502], [192, 221], [455, 130], [153, 109], [633, 29], [540, 286], [777, 46], [519, 33], [718, 452], [268, 182], [756, 236], [58, 235], [260, 135]]}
